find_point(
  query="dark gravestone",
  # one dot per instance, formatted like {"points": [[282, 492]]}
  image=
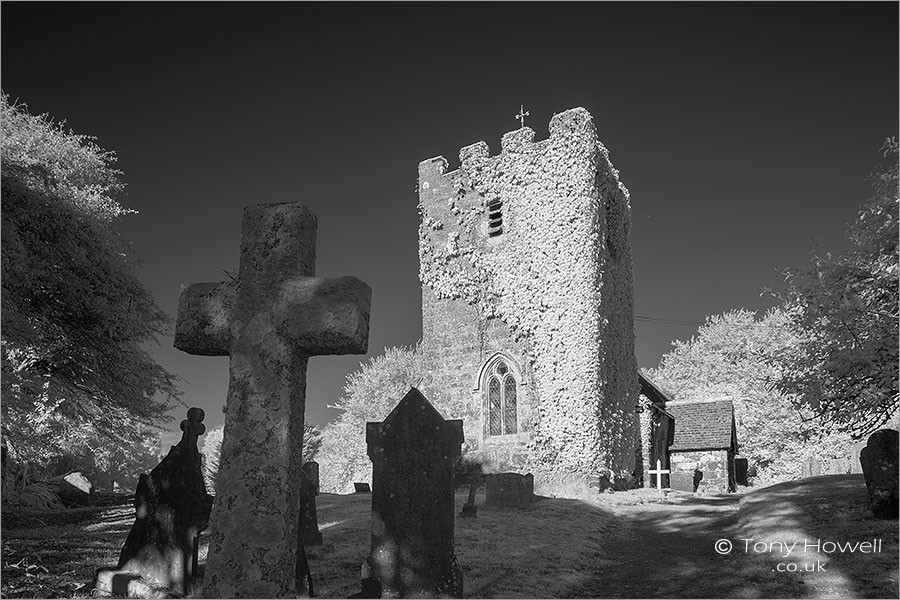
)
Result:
{"points": [[172, 509], [311, 468], [740, 471], [470, 509], [683, 481], [309, 526], [362, 488], [508, 489], [879, 464], [413, 452], [698, 477]]}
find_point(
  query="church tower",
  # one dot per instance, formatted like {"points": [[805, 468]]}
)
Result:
{"points": [[527, 301]]}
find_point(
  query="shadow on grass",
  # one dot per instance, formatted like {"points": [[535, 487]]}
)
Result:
{"points": [[624, 545], [829, 519]]}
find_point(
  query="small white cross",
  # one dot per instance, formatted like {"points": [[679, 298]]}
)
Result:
{"points": [[659, 472], [521, 116]]}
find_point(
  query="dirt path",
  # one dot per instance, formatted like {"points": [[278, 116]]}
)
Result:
{"points": [[667, 550]]}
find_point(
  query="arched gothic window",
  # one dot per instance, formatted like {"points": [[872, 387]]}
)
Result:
{"points": [[501, 415]]}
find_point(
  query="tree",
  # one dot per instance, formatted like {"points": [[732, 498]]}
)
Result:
{"points": [[845, 367], [76, 376], [731, 356], [369, 395]]}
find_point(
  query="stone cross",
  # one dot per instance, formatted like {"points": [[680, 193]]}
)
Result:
{"points": [[269, 320], [413, 453], [522, 114], [659, 472]]}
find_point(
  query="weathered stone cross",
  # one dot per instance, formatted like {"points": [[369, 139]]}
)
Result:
{"points": [[269, 321], [522, 114], [659, 472]]}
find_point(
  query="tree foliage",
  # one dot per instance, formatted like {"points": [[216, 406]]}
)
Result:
{"points": [[75, 319], [369, 395], [731, 355], [845, 367]]}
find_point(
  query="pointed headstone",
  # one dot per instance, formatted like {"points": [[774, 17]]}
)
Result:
{"points": [[413, 453]]}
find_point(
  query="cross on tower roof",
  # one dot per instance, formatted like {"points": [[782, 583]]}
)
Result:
{"points": [[522, 114]]}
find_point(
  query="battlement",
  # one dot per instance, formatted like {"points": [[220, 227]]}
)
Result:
{"points": [[569, 126]]}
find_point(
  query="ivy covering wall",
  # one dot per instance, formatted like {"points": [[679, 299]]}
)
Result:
{"points": [[559, 275]]}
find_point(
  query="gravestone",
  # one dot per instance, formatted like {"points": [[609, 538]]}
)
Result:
{"points": [[470, 509], [508, 489], [683, 481], [740, 471], [879, 463], [269, 321], [311, 468], [309, 524], [172, 509], [413, 452], [75, 489]]}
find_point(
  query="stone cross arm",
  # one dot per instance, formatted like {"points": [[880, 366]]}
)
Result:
{"points": [[316, 315]]}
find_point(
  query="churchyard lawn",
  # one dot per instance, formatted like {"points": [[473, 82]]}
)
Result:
{"points": [[625, 545]]}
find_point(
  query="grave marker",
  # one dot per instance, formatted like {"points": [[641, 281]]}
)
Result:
{"points": [[311, 468], [309, 523], [269, 321], [659, 472], [880, 469], [508, 489], [413, 452], [172, 509]]}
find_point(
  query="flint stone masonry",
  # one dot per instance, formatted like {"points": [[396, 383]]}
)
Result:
{"points": [[880, 468], [413, 453], [270, 321], [553, 293], [509, 489], [172, 509]]}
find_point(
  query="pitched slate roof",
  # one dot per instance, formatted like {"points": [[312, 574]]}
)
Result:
{"points": [[658, 397], [703, 425]]}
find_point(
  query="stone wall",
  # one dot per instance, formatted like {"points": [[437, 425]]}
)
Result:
{"points": [[553, 290], [713, 463]]}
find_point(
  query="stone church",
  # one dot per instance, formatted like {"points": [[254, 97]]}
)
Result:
{"points": [[527, 299]]}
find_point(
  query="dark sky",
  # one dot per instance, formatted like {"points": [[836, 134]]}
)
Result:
{"points": [[743, 132]]}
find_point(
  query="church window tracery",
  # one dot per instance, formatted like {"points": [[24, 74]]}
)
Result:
{"points": [[501, 402]]}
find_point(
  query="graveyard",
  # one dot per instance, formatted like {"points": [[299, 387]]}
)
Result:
{"points": [[618, 545], [295, 304]]}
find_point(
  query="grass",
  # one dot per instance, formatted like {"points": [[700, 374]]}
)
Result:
{"points": [[550, 546], [627, 544], [830, 508]]}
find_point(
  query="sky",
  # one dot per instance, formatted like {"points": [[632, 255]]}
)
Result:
{"points": [[744, 132]]}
